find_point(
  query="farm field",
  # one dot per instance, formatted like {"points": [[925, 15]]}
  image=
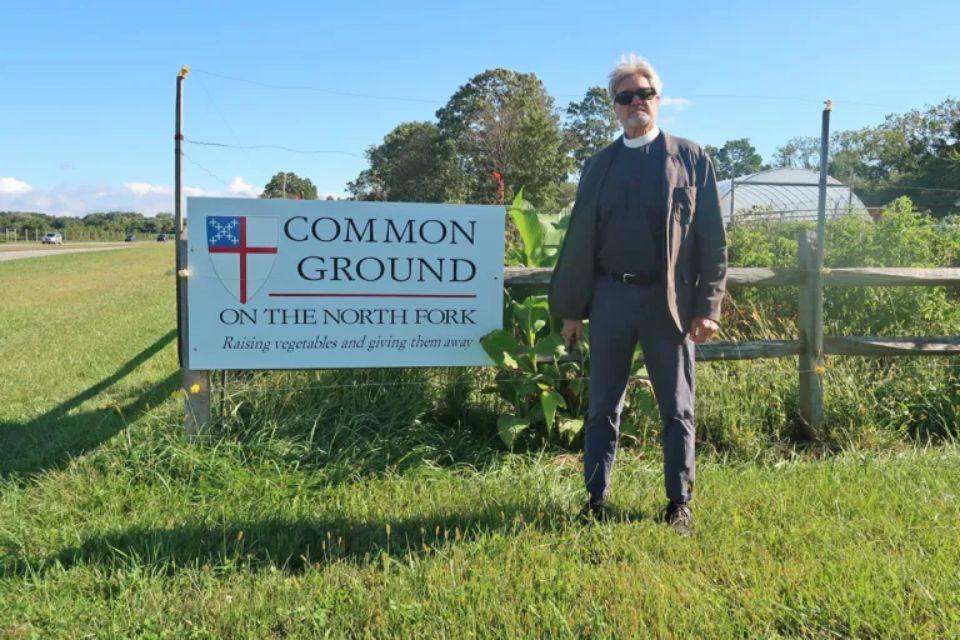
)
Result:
{"points": [[359, 504]]}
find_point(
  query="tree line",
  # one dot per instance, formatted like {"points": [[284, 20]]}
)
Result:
{"points": [[94, 226], [500, 132]]}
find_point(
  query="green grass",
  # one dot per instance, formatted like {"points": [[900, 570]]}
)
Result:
{"points": [[330, 504]]}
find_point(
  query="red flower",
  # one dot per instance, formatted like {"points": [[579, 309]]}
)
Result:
{"points": [[500, 185]]}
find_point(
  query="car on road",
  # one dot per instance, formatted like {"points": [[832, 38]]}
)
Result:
{"points": [[162, 237], [52, 238], [130, 238]]}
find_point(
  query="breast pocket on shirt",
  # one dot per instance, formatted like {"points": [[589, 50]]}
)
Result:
{"points": [[684, 204]]}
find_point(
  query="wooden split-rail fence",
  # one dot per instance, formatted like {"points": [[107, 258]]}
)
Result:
{"points": [[810, 345]]}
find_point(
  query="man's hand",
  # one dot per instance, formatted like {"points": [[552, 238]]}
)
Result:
{"points": [[702, 329], [572, 333]]}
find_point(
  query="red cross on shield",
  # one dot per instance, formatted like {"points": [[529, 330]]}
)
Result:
{"points": [[245, 253]]}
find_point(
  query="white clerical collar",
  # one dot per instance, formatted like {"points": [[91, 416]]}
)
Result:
{"points": [[645, 139]]}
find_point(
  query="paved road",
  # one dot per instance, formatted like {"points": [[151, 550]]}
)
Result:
{"points": [[17, 255]]}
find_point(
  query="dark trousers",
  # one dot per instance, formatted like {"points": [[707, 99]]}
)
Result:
{"points": [[621, 315]]}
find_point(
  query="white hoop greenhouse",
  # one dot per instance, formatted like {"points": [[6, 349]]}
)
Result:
{"points": [[784, 194]]}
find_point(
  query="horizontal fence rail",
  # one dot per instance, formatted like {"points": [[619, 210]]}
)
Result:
{"points": [[905, 346], [539, 277], [536, 280]]}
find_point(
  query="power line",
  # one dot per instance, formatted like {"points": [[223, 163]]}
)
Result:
{"points": [[219, 111], [316, 89], [205, 170], [206, 143], [785, 98], [723, 96]]}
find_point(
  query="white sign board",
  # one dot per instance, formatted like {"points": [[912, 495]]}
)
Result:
{"points": [[292, 284]]}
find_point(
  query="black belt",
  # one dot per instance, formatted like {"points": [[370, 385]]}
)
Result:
{"points": [[637, 279]]}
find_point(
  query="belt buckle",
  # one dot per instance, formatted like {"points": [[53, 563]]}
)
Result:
{"points": [[624, 277]]}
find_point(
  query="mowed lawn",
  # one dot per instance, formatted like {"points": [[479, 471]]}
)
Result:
{"points": [[114, 526]]}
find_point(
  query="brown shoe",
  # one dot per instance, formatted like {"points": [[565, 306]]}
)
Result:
{"points": [[679, 516]]}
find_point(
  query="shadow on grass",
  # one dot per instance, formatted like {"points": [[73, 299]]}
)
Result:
{"points": [[293, 546], [52, 439]]}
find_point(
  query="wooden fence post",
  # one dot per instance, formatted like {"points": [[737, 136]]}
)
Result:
{"points": [[195, 384], [196, 387], [811, 354]]}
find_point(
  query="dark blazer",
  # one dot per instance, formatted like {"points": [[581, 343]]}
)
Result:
{"points": [[694, 268]]}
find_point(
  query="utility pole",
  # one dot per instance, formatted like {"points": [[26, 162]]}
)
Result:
{"points": [[181, 258], [195, 385]]}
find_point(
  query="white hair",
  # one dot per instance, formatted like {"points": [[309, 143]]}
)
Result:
{"points": [[631, 65]]}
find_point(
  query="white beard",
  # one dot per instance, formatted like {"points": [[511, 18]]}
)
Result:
{"points": [[640, 118]]}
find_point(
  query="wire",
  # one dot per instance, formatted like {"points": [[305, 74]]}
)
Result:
{"points": [[316, 89], [204, 169], [784, 98], [366, 96], [221, 115], [224, 145]]}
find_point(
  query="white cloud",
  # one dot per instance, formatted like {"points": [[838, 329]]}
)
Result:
{"points": [[12, 185], [145, 188], [670, 102], [78, 200], [240, 187]]}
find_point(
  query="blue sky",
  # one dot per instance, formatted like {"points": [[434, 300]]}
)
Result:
{"points": [[86, 118]]}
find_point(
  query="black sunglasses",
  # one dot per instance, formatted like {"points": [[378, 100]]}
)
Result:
{"points": [[626, 97]]}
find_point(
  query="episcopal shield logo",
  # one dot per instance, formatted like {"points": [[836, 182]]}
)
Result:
{"points": [[242, 251]]}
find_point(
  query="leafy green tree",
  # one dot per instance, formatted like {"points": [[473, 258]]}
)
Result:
{"points": [[906, 152], [590, 125], [502, 127], [735, 158], [799, 153], [411, 165], [165, 222], [289, 185]]}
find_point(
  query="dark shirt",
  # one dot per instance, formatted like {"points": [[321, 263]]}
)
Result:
{"points": [[631, 230]]}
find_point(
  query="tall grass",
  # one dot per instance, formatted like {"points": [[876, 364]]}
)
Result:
{"points": [[869, 402]]}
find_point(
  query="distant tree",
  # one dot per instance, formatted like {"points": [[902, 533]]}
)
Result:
{"points": [[735, 158], [26, 222], [908, 151], [291, 186], [412, 164], [165, 222], [502, 127], [799, 153], [566, 194], [590, 125]]}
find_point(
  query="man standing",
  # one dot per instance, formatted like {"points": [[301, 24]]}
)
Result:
{"points": [[644, 258]]}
